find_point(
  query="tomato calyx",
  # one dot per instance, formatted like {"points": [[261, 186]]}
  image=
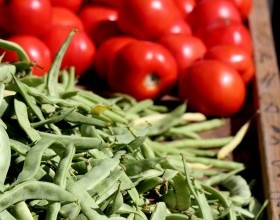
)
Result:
{"points": [[151, 81]]}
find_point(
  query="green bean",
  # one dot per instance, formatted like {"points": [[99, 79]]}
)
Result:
{"points": [[160, 211], [34, 190], [178, 216], [217, 195], [8, 45], [117, 201], [60, 179], [240, 192], [194, 187], [217, 179], [28, 99], [81, 143], [5, 215], [19, 147], [98, 174], [140, 106], [149, 184], [22, 212], [78, 118], [198, 143], [33, 160], [52, 76], [22, 118], [53, 119], [212, 162], [70, 210], [182, 193], [200, 126], [227, 149], [88, 206], [147, 150], [107, 183], [5, 153], [71, 80]]}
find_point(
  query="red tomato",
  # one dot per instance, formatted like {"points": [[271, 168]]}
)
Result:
{"points": [[179, 26], [100, 22], [37, 51], [110, 3], [106, 53], [236, 57], [185, 7], [228, 32], [143, 69], [213, 88], [65, 17], [209, 11], [80, 52], [26, 17], [147, 19], [185, 48], [73, 5], [244, 7]]}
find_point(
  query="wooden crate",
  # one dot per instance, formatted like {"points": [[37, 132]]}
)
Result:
{"points": [[266, 104]]}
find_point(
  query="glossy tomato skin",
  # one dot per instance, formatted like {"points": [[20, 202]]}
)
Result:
{"points": [[143, 69], [179, 26], [26, 17], [73, 5], [185, 48], [147, 19], [208, 11], [106, 53], [65, 17], [213, 88], [235, 57], [244, 7], [228, 32], [100, 22], [80, 52], [37, 51], [185, 7]]}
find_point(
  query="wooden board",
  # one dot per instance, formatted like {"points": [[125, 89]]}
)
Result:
{"points": [[267, 97]]}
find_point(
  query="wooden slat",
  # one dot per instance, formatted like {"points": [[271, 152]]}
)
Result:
{"points": [[267, 90]]}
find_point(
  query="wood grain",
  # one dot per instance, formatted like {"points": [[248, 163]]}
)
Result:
{"points": [[267, 92]]}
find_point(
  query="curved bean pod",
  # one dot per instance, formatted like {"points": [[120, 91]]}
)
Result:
{"points": [[34, 190]]}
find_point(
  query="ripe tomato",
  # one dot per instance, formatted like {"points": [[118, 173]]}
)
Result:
{"points": [[185, 48], [179, 26], [185, 7], [228, 32], [73, 5], [235, 57], [143, 69], [147, 19], [80, 52], [110, 3], [36, 49], [100, 22], [26, 17], [209, 11], [65, 17], [244, 7], [213, 88], [106, 53]]}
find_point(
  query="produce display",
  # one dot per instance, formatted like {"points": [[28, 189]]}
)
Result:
{"points": [[146, 50], [68, 152]]}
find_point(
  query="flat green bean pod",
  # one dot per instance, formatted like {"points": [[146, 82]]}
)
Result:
{"points": [[34, 190]]}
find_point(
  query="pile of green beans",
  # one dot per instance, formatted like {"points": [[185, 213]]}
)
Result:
{"points": [[68, 153]]}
